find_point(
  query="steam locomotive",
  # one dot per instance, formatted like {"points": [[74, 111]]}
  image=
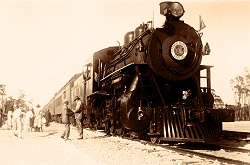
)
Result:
{"points": [[153, 84]]}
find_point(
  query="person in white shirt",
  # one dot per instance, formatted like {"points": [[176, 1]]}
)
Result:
{"points": [[17, 121], [28, 116], [38, 119]]}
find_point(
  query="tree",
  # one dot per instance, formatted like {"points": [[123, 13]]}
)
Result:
{"points": [[241, 88], [21, 100], [232, 82], [2, 94], [247, 85]]}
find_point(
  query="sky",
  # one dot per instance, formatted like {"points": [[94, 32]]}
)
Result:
{"points": [[43, 43]]}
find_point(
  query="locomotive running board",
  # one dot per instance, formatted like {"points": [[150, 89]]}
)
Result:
{"points": [[98, 93]]}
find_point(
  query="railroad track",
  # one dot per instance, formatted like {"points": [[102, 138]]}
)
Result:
{"points": [[233, 135], [235, 149], [221, 154], [214, 152]]}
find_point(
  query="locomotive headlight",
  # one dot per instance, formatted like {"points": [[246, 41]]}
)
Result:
{"points": [[176, 9], [172, 10], [179, 50]]}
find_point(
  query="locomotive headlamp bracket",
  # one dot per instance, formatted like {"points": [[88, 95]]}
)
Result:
{"points": [[172, 10]]}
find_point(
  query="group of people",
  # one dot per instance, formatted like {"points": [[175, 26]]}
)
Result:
{"points": [[25, 119], [79, 114], [21, 119]]}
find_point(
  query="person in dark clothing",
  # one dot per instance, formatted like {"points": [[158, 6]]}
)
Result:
{"points": [[92, 122], [9, 108], [32, 120], [108, 123], [73, 120], [66, 113], [47, 117], [1, 117]]}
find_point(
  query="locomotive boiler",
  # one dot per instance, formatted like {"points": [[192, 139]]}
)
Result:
{"points": [[152, 84]]}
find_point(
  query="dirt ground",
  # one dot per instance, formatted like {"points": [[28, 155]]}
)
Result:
{"points": [[47, 148], [40, 148]]}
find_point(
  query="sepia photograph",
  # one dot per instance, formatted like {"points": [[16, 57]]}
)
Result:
{"points": [[104, 82]]}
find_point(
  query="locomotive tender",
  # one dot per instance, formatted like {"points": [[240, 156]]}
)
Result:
{"points": [[152, 84]]}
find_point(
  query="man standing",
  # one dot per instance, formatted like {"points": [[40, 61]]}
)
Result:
{"points": [[79, 116], [18, 121], [9, 108], [38, 119], [107, 122], [28, 116], [47, 117], [1, 115], [66, 113]]}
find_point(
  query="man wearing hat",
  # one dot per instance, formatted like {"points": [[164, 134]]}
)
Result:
{"points": [[38, 119], [66, 113], [79, 116]]}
